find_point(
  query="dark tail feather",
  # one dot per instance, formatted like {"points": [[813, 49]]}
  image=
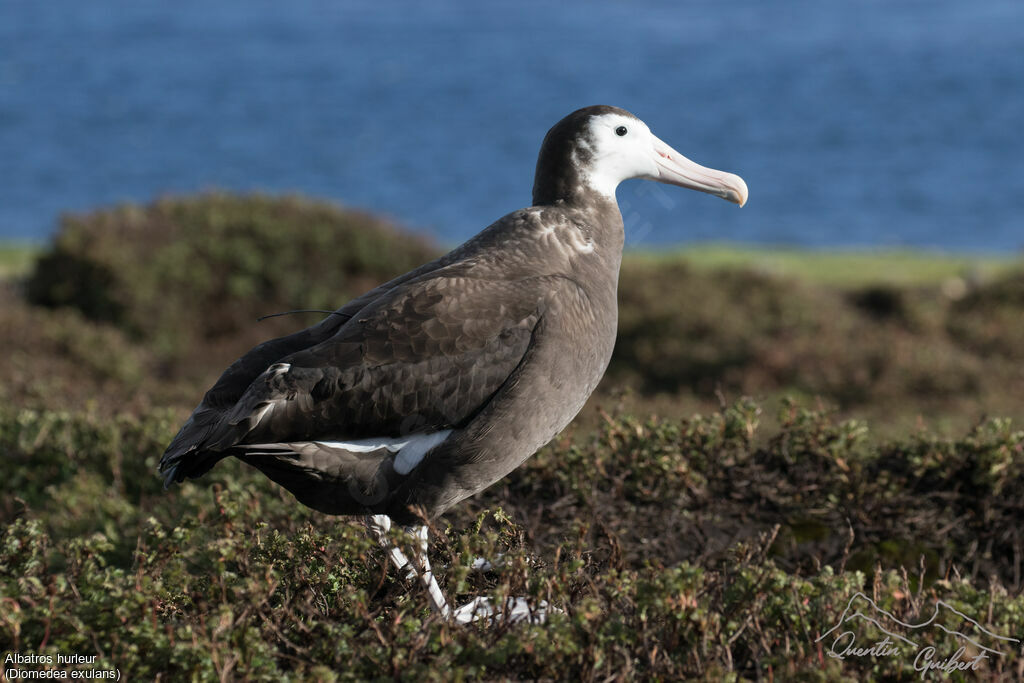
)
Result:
{"points": [[188, 456], [177, 470]]}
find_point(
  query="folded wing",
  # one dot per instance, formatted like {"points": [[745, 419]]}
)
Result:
{"points": [[385, 381]]}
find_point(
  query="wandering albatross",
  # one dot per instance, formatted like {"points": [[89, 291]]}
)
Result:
{"points": [[435, 385]]}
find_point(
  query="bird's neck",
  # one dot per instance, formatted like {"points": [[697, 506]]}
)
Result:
{"points": [[567, 184], [601, 233], [599, 221]]}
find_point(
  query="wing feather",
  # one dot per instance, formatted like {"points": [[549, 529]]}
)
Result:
{"points": [[424, 356]]}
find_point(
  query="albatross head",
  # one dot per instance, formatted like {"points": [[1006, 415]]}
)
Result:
{"points": [[596, 148]]}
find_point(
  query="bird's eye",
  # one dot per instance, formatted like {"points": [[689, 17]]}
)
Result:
{"points": [[620, 131]]}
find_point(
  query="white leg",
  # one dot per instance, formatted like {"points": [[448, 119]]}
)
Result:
{"points": [[427, 577], [516, 609], [419, 567], [379, 526]]}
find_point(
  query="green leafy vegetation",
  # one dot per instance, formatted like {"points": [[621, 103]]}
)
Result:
{"points": [[891, 354], [882, 453], [671, 549]]}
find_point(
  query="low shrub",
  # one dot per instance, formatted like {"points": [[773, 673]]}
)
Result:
{"points": [[186, 271], [693, 548], [989, 320]]}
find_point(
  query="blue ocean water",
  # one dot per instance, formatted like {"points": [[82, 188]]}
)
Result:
{"points": [[854, 123]]}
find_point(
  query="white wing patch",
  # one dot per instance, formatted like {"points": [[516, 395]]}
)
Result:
{"points": [[411, 454], [409, 451]]}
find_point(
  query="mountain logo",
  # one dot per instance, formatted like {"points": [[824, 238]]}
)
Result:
{"points": [[903, 639]]}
